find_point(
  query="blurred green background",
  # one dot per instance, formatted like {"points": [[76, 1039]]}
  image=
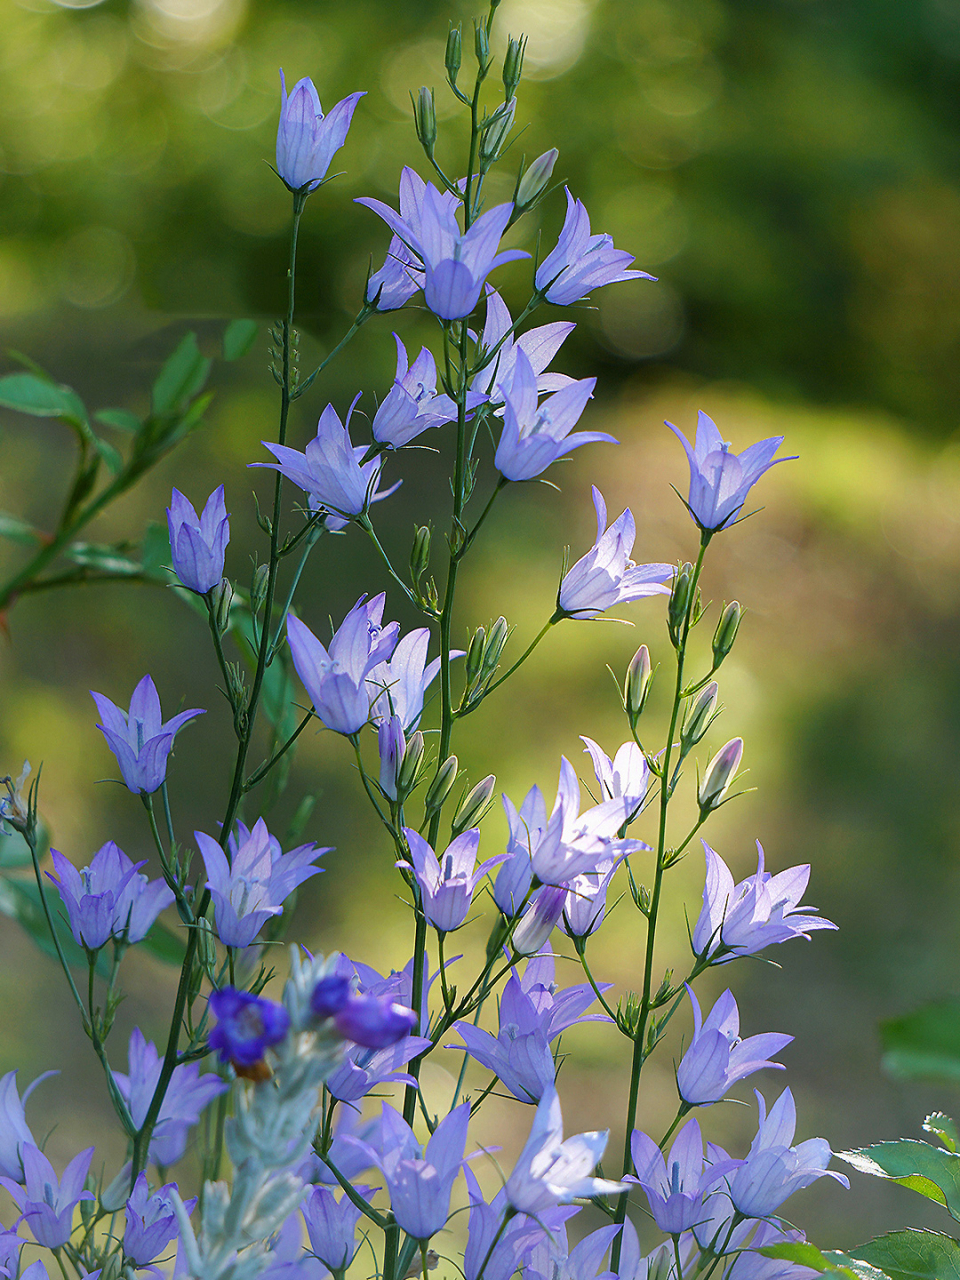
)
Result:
{"points": [[788, 168]]}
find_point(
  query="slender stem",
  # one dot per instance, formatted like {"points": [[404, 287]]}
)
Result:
{"points": [[364, 522], [259, 774], [509, 1213], [582, 953], [221, 658], [676, 1254], [311, 540], [519, 663], [683, 1110]]}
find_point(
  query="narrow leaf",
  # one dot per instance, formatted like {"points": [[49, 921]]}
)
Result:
{"points": [[832, 1262], [181, 378], [18, 530], [103, 559], [42, 399], [239, 336], [122, 419]]}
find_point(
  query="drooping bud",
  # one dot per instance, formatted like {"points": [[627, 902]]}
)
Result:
{"points": [[442, 784], [679, 600], [496, 131], [258, 588], [719, 775], [534, 182], [726, 632], [637, 684], [481, 43], [475, 655], [420, 553], [474, 805], [699, 717], [221, 600], [409, 772], [425, 119], [513, 65], [454, 54]]}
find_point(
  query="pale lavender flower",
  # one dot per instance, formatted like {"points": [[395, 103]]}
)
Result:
{"points": [[198, 545], [10, 1246], [287, 1259], [400, 277], [526, 829], [187, 1095], [581, 262], [539, 345], [606, 576], [675, 1188], [585, 905], [398, 684], [750, 1265], [391, 745], [627, 775], [337, 678], [420, 1181], [536, 433], [517, 1240], [719, 774], [151, 1221], [739, 920], [47, 1203], [329, 471], [583, 1262], [109, 899], [139, 738], [539, 920], [14, 1131], [364, 1070], [307, 140], [720, 480], [412, 404], [456, 263], [448, 883], [773, 1169], [332, 1226], [717, 1058], [550, 1171], [256, 881]]}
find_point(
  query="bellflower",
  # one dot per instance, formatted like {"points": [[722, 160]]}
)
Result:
{"points": [[412, 404], [399, 684], [337, 678], [397, 985], [286, 1259], [739, 920], [329, 471], [187, 1095], [773, 1169], [448, 883], [254, 884], [581, 262], [151, 1221], [364, 1070], [536, 433], [455, 263], [720, 480], [420, 1181], [582, 1262], [539, 345], [585, 905], [391, 745], [109, 898], [626, 775], [606, 575], [526, 827], [47, 1203], [198, 544], [539, 920], [247, 1025], [504, 1248], [550, 1171], [14, 1131], [10, 1247], [717, 1058], [400, 277], [306, 139], [675, 1188], [138, 738], [332, 1226], [374, 1022]]}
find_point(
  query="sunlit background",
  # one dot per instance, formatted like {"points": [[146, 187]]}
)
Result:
{"points": [[788, 169]]}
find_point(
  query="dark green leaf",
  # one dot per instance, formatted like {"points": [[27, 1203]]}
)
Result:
{"points": [[155, 551], [180, 379], [30, 394], [914, 1255], [924, 1044], [944, 1128], [18, 530], [832, 1262], [122, 419], [928, 1170], [110, 455], [103, 559], [239, 336], [164, 944]]}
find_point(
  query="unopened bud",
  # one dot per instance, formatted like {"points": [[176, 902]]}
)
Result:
{"points": [[206, 945], [495, 133], [474, 805], [513, 65], [409, 771], [475, 655], [719, 775], [442, 784], [496, 639], [258, 588], [699, 717], [726, 632], [425, 119], [454, 54], [637, 684], [679, 600], [534, 182], [481, 43], [221, 601], [420, 553]]}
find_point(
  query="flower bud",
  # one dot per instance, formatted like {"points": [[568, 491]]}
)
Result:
{"points": [[698, 717], [534, 182], [475, 655], [454, 54], [221, 601], [420, 553], [425, 119], [496, 639], [539, 920], [637, 684], [513, 65], [442, 784], [679, 600], [258, 588], [719, 775], [481, 43], [726, 632], [409, 771], [495, 133], [391, 746], [474, 805], [330, 995], [375, 1022]]}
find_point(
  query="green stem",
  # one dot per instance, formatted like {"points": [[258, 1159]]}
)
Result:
{"points": [[364, 522], [519, 663], [259, 774], [683, 1110], [581, 949]]}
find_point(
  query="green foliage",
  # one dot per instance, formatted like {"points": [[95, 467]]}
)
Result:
{"points": [[913, 1255], [238, 338], [18, 530], [928, 1170], [181, 378], [924, 1044], [832, 1262]]}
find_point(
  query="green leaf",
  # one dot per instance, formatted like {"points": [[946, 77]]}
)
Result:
{"points": [[832, 1262], [155, 551], [110, 455], [29, 394], [924, 1044], [122, 419], [914, 1255], [919, 1166], [944, 1128], [180, 379], [164, 944], [104, 559], [18, 530], [239, 336]]}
